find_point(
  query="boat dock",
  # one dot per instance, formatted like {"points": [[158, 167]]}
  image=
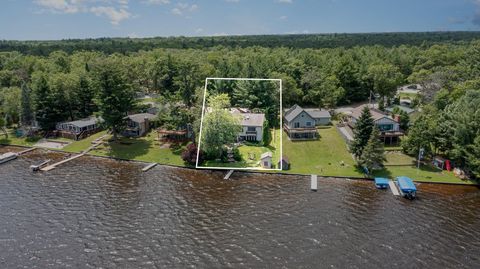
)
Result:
{"points": [[393, 188], [227, 176], [26, 151], [36, 167], [313, 182], [148, 167], [53, 166]]}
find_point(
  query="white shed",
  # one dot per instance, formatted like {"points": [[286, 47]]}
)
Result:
{"points": [[266, 160]]}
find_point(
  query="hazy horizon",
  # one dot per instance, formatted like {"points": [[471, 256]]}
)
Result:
{"points": [[82, 19]]}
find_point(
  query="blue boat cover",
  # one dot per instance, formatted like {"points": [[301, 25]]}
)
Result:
{"points": [[381, 181], [406, 184]]}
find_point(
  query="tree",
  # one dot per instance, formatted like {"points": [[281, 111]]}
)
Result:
{"points": [[220, 127], [267, 136], [384, 78], [420, 135], [26, 113], [362, 132], [47, 111], [373, 153], [404, 120], [3, 124], [114, 97]]}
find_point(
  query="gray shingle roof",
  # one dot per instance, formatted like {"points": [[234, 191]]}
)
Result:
{"points": [[84, 122], [376, 114], [315, 113], [266, 154], [141, 117], [252, 119], [318, 113], [293, 112]]}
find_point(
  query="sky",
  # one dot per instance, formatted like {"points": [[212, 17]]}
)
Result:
{"points": [[62, 19]]}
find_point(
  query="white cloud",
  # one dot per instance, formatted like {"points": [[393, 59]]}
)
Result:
{"points": [[283, 17], [115, 10], [157, 2], [183, 8], [199, 30], [113, 14]]}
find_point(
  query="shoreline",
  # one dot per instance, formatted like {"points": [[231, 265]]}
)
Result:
{"points": [[238, 171]]}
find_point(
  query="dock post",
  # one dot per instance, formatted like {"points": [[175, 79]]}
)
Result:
{"points": [[313, 183], [227, 176]]}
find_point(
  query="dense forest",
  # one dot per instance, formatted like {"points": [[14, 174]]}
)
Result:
{"points": [[314, 41], [65, 80]]}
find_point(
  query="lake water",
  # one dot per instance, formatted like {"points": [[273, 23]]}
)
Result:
{"points": [[94, 212]]}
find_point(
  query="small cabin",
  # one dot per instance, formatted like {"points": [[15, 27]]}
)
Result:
{"points": [[138, 124], [266, 160]]}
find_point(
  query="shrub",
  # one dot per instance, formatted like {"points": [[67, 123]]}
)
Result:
{"points": [[190, 155]]}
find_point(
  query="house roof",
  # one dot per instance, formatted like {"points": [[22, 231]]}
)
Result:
{"points": [[318, 113], [141, 117], [266, 155], [293, 112], [403, 108], [376, 114], [315, 113], [84, 122], [252, 119]]}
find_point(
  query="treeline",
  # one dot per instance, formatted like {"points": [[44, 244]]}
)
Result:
{"points": [[315, 41]]}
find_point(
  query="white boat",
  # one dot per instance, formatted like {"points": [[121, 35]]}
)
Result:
{"points": [[8, 157]]}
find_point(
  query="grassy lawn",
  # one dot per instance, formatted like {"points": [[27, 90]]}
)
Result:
{"points": [[18, 141], [81, 145], [255, 151], [142, 149], [322, 157], [407, 95]]}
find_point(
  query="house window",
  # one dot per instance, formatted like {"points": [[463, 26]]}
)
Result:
{"points": [[385, 127], [296, 125], [250, 129], [308, 123], [265, 164]]}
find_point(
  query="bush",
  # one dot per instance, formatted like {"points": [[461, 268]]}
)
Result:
{"points": [[236, 154], [190, 155]]}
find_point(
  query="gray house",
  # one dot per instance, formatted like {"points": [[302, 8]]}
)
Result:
{"points": [[78, 129], [252, 124], [300, 123], [138, 124]]}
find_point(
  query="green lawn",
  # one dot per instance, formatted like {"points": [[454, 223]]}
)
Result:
{"points": [[255, 151], [322, 157], [81, 145], [142, 149], [18, 141]]}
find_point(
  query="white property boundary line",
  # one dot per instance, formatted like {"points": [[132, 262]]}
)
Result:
{"points": [[280, 130]]}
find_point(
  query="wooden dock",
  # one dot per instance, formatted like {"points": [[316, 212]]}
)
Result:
{"points": [[227, 176], [26, 151], [148, 167], [393, 188], [53, 166], [313, 182]]}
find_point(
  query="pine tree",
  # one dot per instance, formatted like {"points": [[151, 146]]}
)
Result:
{"points": [[362, 132], [115, 97], [26, 114], [373, 153]]}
